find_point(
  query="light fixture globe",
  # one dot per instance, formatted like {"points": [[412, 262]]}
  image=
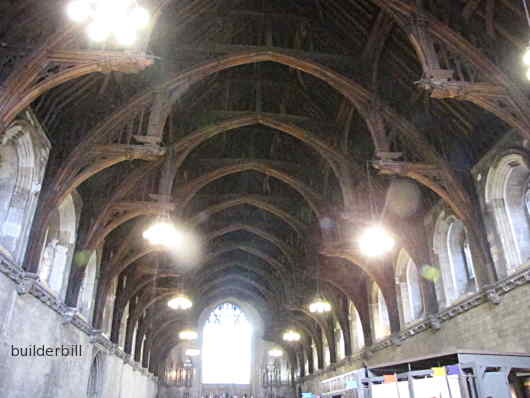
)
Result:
{"points": [[276, 352], [180, 302], [319, 306], [193, 352], [122, 19], [188, 334], [376, 241], [291, 336], [163, 233], [78, 10]]}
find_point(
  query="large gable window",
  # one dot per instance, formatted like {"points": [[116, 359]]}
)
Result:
{"points": [[227, 346]]}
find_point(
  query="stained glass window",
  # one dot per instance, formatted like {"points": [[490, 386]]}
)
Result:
{"points": [[227, 346]]}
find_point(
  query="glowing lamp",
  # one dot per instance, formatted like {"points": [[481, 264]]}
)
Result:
{"points": [[291, 336], [276, 353], [140, 17], [188, 334], [78, 10], [181, 302], [376, 241], [121, 18], [164, 234], [193, 352], [319, 306]]}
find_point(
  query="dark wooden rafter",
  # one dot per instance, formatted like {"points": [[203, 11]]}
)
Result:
{"points": [[46, 69]]}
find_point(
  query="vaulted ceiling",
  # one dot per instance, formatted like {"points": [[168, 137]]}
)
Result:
{"points": [[261, 122]]}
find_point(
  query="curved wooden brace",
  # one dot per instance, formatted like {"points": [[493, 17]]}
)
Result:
{"points": [[284, 248], [465, 49], [186, 192], [127, 185], [224, 266], [279, 267], [293, 222], [97, 239], [268, 294], [188, 143], [137, 286]]}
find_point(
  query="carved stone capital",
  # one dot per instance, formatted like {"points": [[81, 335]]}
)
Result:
{"points": [[435, 322], [493, 296], [367, 355], [26, 283], [396, 340], [69, 314]]}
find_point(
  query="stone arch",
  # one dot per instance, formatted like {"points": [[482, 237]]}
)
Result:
{"points": [[451, 246], [506, 197], [61, 235], [408, 289], [87, 292], [340, 348], [356, 327], [380, 317], [24, 153]]}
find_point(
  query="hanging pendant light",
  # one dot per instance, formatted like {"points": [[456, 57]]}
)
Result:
{"points": [[375, 240], [193, 352], [121, 18], [291, 336], [180, 302], [319, 305], [276, 352], [188, 334]]}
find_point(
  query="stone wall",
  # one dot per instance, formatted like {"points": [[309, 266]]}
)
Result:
{"points": [[494, 321], [29, 316]]}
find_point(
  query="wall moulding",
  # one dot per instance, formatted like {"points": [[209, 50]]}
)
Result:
{"points": [[29, 283], [490, 295]]}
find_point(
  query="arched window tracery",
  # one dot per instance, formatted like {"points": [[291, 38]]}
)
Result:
{"points": [[227, 346], [315, 355], [58, 251], [88, 287], [507, 198], [326, 352], [451, 245], [356, 328], [24, 152], [409, 290], [379, 309], [339, 342]]}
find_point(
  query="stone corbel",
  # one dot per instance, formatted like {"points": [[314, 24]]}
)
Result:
{"points": [[367, 354], [435, 322], [27, 282], [396, 340], [101, 342], [493, 297], [69, 314]]}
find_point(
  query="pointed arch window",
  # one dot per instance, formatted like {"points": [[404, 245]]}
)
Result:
{"points": [[327, 354], [409, 290], [356, 328], [508, 199], [379, 313], [451, 245], [339, 341], [227, 346]]}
